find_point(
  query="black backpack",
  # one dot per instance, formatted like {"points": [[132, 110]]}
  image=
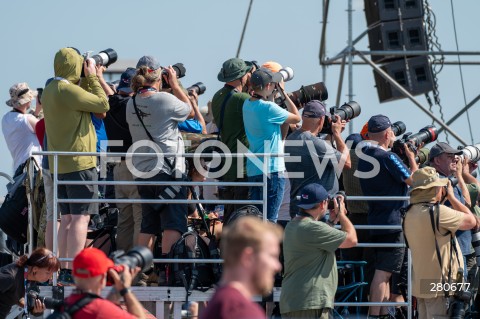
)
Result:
{"points": [[199, 276], [247, 210], [67, 311]]}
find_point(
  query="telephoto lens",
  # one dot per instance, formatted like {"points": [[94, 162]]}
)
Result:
{"points": [[346, 112], [426, 135], [138, 256], [50, 303], [316, 91], [105, 57], [472, 153], [422, 156], [198, 87], [398, 128], [179, 69], [287, 73]]}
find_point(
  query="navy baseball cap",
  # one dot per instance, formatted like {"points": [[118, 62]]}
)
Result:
{"points": [[311, 195], [314, 109], [263, 76], [149, 61], [378, 123], [125, 80], [442, 147]]}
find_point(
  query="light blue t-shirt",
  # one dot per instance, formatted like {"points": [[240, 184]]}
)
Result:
{"points": [[262, 120]]}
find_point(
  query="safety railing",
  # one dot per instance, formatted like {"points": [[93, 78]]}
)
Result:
{"points": [[176, 295]]}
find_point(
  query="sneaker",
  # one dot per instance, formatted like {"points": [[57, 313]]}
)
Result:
{"points": [[65, 278]]}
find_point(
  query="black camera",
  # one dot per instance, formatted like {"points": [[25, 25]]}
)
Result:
{"points": [[50, 303], [138, 256], [179, 70], [426, 135], [461, 299], [346, 112], [332, 198], [398, 128], [316, 91], [198, 87], [39, 95]]}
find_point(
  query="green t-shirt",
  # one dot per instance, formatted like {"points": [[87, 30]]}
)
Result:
{"points": [[232, 127], [311, 278]]}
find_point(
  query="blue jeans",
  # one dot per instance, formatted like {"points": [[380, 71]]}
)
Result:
{"points": [[275, 188]]}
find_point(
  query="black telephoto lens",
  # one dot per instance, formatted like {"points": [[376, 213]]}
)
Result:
{"points": [[398, 128], [198, 87], [348, 110], [316, 91], [138, 256], [426, 135]]}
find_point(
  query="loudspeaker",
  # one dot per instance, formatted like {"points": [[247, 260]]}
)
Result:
{"points": [[388, 10], [414, 74], [395, 35]]}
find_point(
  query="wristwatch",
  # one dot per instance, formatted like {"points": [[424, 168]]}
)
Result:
{"points": [[124, 291]]}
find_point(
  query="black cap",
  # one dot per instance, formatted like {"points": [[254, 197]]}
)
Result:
{"points": [[378, 123], [440, 148]]}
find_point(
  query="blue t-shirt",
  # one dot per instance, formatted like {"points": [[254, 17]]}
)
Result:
{"points": [[464, 237], [101, 132], [190, 126], [390, 181], [262, 120]]}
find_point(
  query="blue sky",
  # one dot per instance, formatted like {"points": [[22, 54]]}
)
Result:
{"points": [[203, 34]]}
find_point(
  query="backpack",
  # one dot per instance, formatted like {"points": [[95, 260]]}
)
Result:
{"points": [[199, 276], [67, 311], [247, 210]]}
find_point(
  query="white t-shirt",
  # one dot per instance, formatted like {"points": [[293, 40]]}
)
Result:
{"points": [[20, 138], [161, 112]]}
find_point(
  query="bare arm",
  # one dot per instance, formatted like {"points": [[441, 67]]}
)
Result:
{"points": [[461, 182], [177, 90], [193, 96], [106, 88]]}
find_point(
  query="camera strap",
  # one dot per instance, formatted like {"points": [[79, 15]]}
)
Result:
{"points": [[222, 111]]}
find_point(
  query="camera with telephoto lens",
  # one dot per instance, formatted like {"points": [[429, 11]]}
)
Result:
{"points": [[103, 58], [50, 303], [471, 153], [426, 135], [179, 70], [138, 256], [287, 73], [198, 87], [346, 112], [316, 91], [399, 128], [460, 299]]}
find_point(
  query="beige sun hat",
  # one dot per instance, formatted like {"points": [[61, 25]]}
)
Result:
{"points": [[20, 94], [427, 177]]}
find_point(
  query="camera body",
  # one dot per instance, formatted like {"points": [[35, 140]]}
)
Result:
{"points": [[332, 198], [426, 135], [461, 299], [346, 112], [316, 91], [179, 70]]}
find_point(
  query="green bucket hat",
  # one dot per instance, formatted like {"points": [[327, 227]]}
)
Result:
{"points": [[233, 69]]}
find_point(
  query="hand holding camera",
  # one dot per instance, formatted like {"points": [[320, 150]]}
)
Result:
{"points": [[337, 208], [171, 77], [89, 67], [124, 279], [337, 125]]}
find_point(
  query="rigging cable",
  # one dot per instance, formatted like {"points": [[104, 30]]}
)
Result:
{"points": [[461, 73]]}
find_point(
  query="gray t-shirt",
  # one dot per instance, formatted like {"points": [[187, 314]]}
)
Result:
{"points": [[161, 112], [316, 157]]}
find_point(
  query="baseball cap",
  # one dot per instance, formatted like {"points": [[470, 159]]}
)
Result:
{"points": [[263, 76], [20, 94], [378, 123], [233, 69], [314, 109], [148, 61], [91, 262], [442, 147], [125, 80], [310, 195]]}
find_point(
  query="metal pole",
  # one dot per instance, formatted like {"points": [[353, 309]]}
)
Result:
{"points": [[340, 81], [456, 116], [350, 59], [409, 286], [31, 177], [266, 160], [244, 28], [55, 212], [407, 94], [323, 40]]}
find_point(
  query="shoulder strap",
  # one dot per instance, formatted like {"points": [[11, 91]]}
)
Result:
{"points": [[222, 111], [137, 112], [79, 304]]}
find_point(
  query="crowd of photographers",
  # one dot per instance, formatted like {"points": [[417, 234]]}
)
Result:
{"points": [[149, 111]]}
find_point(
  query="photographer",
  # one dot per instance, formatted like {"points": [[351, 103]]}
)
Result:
{"points": [[310, 279], [90, 268], [16, 278], [262, 119], [430, 228], [153, 118], [313, 118]]}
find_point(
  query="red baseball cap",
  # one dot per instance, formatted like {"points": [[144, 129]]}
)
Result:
{"points": [[91, 262]]}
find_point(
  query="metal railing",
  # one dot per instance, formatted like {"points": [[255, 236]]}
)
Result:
{"points": [[176, 295]]}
